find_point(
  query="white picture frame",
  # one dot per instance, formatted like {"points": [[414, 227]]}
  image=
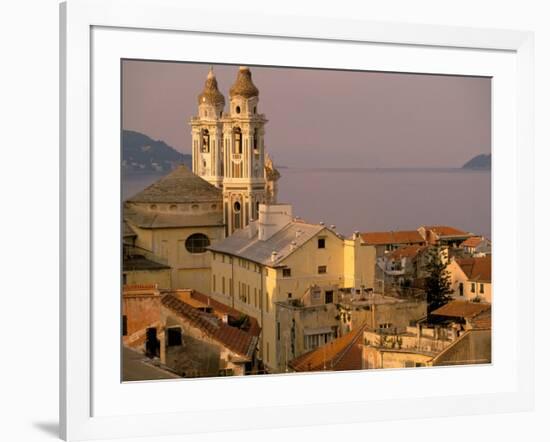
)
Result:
{"points": [[88, 403]]}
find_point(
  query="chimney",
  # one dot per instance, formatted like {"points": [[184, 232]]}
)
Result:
{"points": [[252, 229], [273, 217], [356, 234]]}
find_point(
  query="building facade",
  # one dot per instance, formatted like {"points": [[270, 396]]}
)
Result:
{"points": [[279, 259]]}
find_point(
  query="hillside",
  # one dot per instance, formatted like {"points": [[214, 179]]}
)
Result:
{"points": [[479, 162], [141, 154]]}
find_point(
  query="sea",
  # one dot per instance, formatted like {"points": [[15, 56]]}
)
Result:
{"points": [[361, 199]]}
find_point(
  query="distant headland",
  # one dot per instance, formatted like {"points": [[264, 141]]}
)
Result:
{"points": [[479, 162]]}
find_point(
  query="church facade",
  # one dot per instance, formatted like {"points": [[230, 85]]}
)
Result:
{"points": [[171, 223], [229, 150]]}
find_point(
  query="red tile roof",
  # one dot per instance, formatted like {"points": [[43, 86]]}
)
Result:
{"points": [[344, 353], [462, 309], [472, 241], [482, 320], [446, 231], [253, 328], [397, 237], [406, 252], [234, 339], [476, 269]]}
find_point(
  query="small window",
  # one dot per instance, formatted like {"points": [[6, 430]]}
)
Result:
{"points": [[205, 140], [287, 273], [153, 207], [254, 109], [461, 289], [481, 288], [237, 206], [173, 336], [278, 331], [124, 325], [289, 295], [329, 297], [321, 243], [322, 270], [173, 207], [124, 279], [238, 109], [473, 287], [197, 243]]}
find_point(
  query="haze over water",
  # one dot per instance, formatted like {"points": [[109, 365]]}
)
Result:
{"points": [[321, 122], [379, 199]]}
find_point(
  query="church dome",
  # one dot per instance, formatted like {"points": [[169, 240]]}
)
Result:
{"points": [[243, 86], [210, 94]]}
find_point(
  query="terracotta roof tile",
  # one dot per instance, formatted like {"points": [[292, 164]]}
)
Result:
{"points": [[462, 309], [397, 237], [476, 269], [234, 339], [343, 353], [205, 300], [407, 251], [482, 320], [446, 231], [473, 241]]}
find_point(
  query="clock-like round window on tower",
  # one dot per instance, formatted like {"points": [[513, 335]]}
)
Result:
{"points": [[237, 206], [238, 109]]}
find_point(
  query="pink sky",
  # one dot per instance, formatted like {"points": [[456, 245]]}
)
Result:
{"points": [[322, 118]]}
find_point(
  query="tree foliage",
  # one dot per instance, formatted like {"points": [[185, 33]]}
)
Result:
{"points": [[438, 281]]}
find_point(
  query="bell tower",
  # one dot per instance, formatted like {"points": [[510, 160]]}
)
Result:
{"points": [[207, 133], [244, 182]]}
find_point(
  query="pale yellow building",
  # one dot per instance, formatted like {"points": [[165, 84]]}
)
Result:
{"points": [[471, 278], [174, 220], [279, 259]]}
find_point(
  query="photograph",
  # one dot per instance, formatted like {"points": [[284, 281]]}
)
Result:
{"points": [[283, 220]]}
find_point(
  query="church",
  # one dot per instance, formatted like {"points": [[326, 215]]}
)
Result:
{"points": [[168, 226]]}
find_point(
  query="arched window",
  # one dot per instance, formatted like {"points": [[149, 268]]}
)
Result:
{"points": [[197, 243], [205, 145], [238, 140], [237, 214], [256, 143], [238, 109]]}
